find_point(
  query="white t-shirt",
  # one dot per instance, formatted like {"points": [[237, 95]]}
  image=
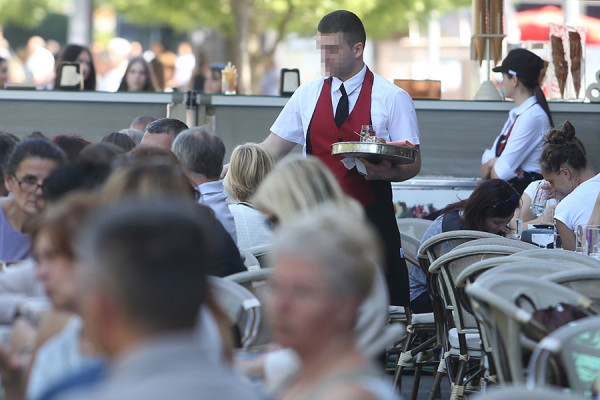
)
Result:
{"points": [[523, 148], [392, 110], [576, 208]]}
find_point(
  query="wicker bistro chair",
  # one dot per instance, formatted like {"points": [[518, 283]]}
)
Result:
{"points": [[532, 267], [585, 281], [561, 255], [463, 340], [430, 327], [569, 356], [521, 392], [499, 241], [510, 328], [240, 305], [473, 271]]}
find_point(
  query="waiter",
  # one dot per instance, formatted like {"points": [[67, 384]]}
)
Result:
{"points": [[331, 109]]}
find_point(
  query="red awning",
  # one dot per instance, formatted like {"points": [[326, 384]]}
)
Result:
{"points": [[534, 24]]}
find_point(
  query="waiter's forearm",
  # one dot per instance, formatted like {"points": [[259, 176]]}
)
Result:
{"points": [[277, 146]]}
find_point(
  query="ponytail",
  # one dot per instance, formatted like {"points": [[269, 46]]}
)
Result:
{"points": [[541, 99]]}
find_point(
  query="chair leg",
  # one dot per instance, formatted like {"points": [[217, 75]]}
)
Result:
{"points": [[437, 380], [417, 381], [402, 361]]}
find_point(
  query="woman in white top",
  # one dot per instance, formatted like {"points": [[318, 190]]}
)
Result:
{"points": [[515, 153], [249, 165], [564, 166]]}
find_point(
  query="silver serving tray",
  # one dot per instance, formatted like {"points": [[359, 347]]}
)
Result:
{"points": [[375, 152]]}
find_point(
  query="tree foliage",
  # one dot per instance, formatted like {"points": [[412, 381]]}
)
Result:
{"points": [[27, 13]]}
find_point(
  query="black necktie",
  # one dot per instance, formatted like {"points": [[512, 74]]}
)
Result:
{"points": [[341, 112]]}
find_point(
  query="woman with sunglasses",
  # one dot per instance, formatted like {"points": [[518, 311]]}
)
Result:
{"points": [[490, 208], [564, 166], [515, 153], [28, 165]]}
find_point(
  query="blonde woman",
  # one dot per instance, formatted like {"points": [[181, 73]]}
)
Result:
{"points": [[297, 184], [249, 165]]}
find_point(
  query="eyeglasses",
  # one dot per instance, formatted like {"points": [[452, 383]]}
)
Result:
{"points": [[507, 204], [29, 184]]}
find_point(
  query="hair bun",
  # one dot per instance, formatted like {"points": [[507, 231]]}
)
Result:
{"points": [[561, 136]]}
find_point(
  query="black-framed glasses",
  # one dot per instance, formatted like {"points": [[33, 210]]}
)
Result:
{"points": [[29, 184], [505, 205]]}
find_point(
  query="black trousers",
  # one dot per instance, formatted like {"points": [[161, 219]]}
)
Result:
{"points": [[381, 214], [520, 184]]}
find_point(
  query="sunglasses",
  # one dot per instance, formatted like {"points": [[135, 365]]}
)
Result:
{"points": [[508, 204]]}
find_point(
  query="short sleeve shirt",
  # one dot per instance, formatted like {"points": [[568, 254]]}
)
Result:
{"points": [[392, 110]]}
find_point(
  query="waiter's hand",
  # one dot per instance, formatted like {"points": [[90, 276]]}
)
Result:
{"points": [[380, 171]]}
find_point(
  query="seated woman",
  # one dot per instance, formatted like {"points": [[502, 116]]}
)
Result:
{"points": [[28, 165], [564, 166], [138, 77], [249, 165], [324, 266], [524, 210], [490, 208]]}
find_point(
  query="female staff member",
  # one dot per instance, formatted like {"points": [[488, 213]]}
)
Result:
{"points": [[515, 153], [29, 164], [564, 166]]}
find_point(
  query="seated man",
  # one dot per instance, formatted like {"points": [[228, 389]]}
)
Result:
{"points": [[144, 279], [162, 132], [201, 153]]}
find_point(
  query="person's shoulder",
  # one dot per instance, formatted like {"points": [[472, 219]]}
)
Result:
{"points": [[389, 89]]}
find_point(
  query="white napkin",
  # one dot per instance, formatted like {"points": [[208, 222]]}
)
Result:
{"points": [[351, 162]]}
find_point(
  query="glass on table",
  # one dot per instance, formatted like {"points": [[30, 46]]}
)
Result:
{"points": [[515, 229], [592, 238], [538, 203]]}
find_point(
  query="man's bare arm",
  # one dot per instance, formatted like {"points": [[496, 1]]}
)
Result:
{"points": [[275, 145]]}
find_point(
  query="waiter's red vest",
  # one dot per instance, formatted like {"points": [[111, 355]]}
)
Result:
{"points": [[323, 132]]}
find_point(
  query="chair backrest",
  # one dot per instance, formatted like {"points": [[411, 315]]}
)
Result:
{"points": [[414, 227], [450, 265], [440, 244], [561, 255], [521, 392], [256, 282], [500, 241], [473, 271], [531, 267], [494, 301], [585, 281], [250, 260], [240, 305], [575, 348]]}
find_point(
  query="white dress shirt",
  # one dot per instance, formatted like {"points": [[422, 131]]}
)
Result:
{"points": [[523, 148], [392, 110]]}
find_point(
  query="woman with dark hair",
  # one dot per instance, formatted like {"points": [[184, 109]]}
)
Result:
{"points": [[83, 56], [71, 145], [138, 77], [28, 165], [489, 209], [564, 166], [515, 153]]}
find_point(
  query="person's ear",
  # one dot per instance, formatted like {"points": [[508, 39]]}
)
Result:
{"points": [[8, 183], [358, 50], [566, 171]]}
